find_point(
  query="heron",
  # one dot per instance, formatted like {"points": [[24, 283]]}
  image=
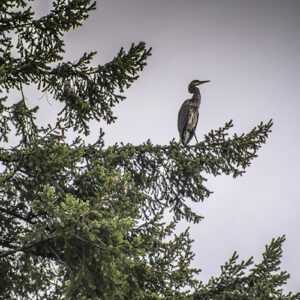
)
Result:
{"points": [[189, 113]]}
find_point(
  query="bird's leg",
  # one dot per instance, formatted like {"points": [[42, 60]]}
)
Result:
{"points": [[196, 137]]}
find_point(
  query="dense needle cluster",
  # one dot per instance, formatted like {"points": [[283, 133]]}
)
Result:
{"points": [[81, 221]]}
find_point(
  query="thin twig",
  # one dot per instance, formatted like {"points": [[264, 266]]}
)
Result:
{"points": [[88, 242], [14, 214], [24, 247], [21, 89]]}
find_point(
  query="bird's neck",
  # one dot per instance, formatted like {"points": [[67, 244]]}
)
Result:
{"points": [[197, 96]]}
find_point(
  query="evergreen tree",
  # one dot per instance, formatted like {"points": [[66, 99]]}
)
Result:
{"points": [[86, 221]]}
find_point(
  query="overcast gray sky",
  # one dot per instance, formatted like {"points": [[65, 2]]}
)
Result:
{"points": [[250, 50]]}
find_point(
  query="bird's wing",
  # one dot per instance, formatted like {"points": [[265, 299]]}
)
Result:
{"points": [[183, 116]]}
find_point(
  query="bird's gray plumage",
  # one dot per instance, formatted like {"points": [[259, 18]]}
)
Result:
{"points": [[189, 113]]}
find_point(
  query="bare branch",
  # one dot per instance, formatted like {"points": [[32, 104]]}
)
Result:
{"points": [[24, 248]]}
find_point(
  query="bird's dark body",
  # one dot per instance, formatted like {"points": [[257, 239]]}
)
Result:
{"points": [[187, 120], [189, 113]]}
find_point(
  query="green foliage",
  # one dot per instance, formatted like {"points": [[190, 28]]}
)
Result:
{"points": [[85, 221], [238, 281]]}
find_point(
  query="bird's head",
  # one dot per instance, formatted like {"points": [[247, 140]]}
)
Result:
{"points": [[194, 83]]}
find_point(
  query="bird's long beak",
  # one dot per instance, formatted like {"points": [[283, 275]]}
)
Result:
{"points": [[204, 81]]}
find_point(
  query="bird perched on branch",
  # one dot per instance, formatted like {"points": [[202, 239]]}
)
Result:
{"points": [[189, 113]]}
